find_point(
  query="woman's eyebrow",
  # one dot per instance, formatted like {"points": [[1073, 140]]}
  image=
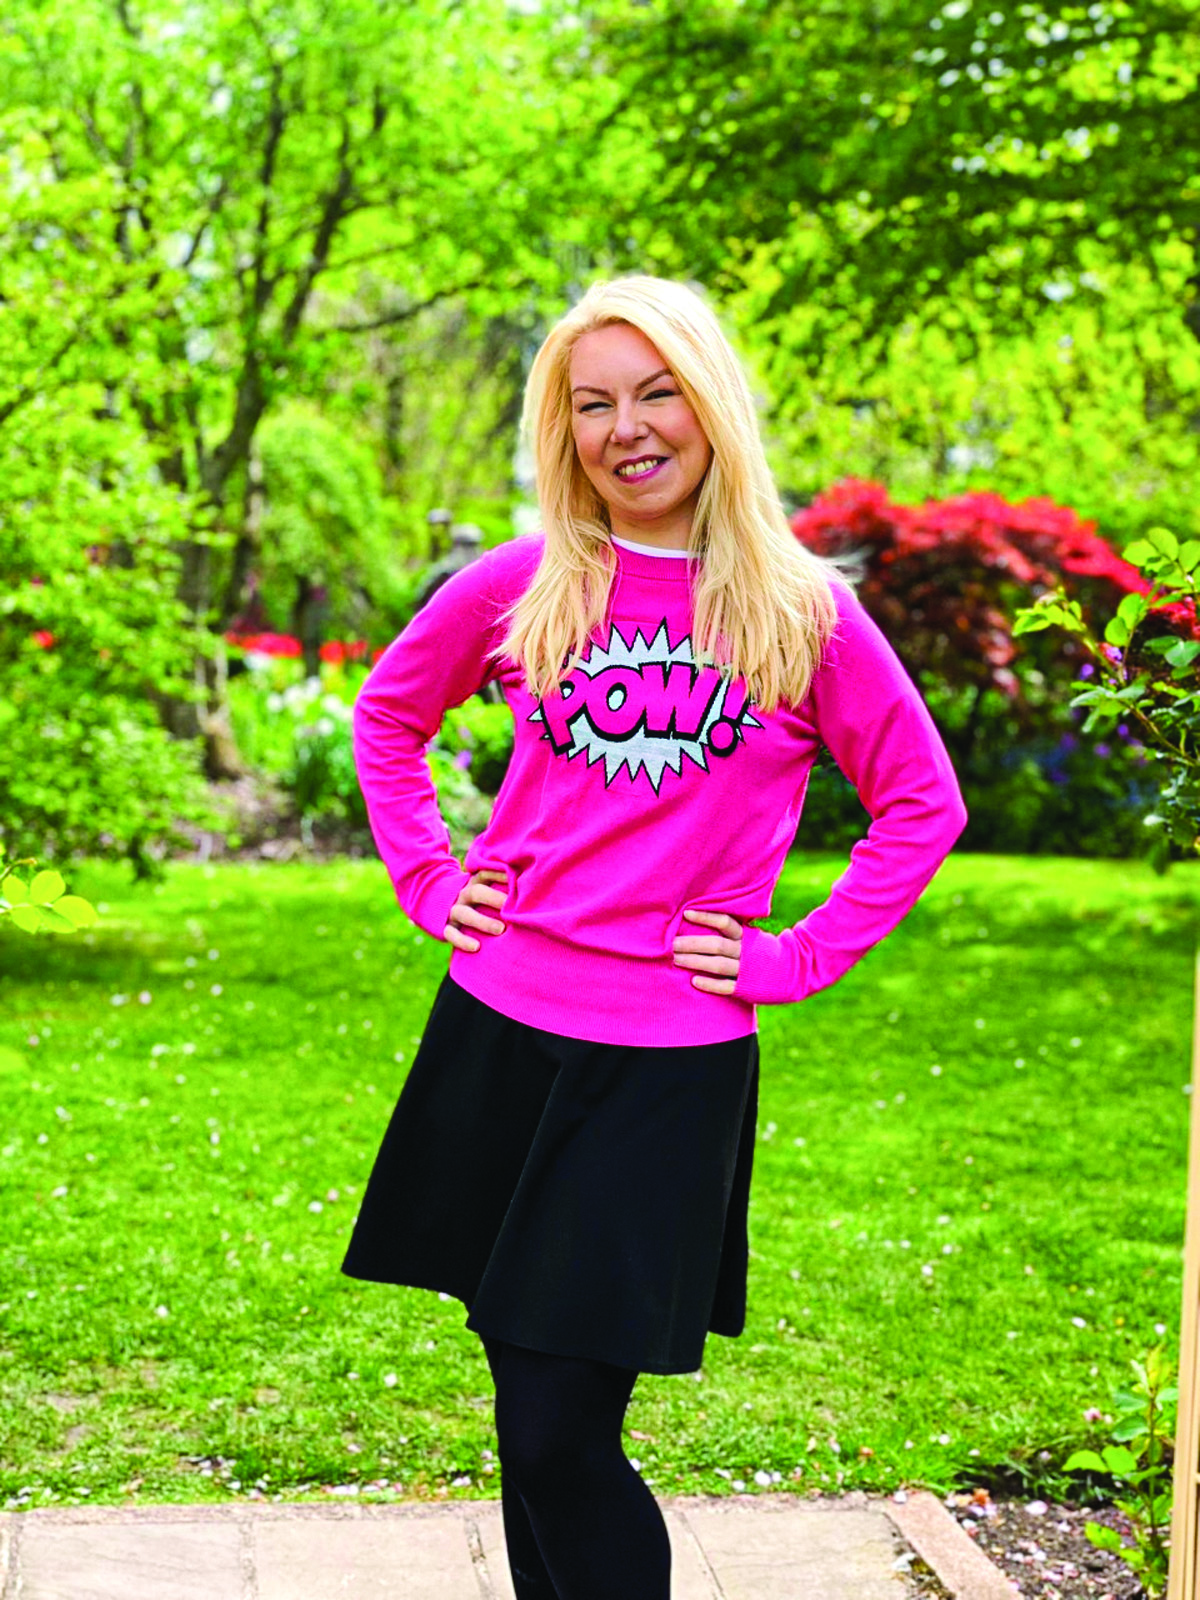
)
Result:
{"points": [[663, 372]]}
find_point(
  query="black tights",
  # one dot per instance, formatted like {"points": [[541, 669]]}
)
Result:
{"points": [[579, 1522]]}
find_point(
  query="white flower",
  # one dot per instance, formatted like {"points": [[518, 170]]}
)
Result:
{"points": [[763, 1479], [390, 1380]]}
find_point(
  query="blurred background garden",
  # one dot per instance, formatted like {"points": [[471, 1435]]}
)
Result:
{"points": [[272, 273]]}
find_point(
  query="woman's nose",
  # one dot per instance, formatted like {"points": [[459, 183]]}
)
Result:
{"points": [[627, 425]]}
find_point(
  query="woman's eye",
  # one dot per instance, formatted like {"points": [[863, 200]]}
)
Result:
{"points": [[661, 394], [591, 405]]}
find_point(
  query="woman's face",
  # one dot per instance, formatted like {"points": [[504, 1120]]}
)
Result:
{"points": [[636, 436]]}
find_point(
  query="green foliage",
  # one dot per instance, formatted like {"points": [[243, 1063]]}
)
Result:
{"points": [[1144, 1426], [92, 636], [325, 518], [483, 731], [1092, 408], [217, 213], [300, 731], [885, 161], [40, 901], [1153, 680]]}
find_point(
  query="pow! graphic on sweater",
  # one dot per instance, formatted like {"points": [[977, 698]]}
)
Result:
{"points": [[643, 705]]}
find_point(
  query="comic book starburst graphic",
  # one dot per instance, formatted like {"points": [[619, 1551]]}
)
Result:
{"points": [[646, 748]]}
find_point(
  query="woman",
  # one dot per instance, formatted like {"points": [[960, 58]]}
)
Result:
{"points": [[571, 1152]]}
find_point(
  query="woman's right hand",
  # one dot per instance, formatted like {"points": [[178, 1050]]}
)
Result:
{"points": [[463, 913]]}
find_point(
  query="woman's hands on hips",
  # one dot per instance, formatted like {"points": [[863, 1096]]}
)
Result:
{"points": [[464, 913], [714, 957]]}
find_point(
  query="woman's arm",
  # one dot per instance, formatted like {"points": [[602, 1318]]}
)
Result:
{"points": [[877, 728], [439, 661]]}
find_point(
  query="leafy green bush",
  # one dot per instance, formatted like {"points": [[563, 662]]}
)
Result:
{"points": [[1146, 1417], [1146, 673], [93, 636], [1070, 796], [483, 731], [301, 732]]}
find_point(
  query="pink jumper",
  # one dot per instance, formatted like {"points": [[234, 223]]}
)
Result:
{"points": [[646, 787]]}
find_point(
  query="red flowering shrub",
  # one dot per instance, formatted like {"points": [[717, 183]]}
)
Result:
{"points": [[944, 582], [943, 579]]}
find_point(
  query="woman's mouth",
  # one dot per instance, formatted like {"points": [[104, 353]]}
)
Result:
{"points": [[643, 467]]}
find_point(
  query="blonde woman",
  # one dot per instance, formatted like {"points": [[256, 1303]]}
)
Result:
{"points": [[571, 1152]]}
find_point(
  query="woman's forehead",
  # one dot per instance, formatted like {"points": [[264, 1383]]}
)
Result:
{"points": [[614, 354]]}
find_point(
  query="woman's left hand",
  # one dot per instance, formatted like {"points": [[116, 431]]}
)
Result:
{"points": [[713, 957]]}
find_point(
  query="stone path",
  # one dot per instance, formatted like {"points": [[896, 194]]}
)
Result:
{"points": [[748, 1548]]}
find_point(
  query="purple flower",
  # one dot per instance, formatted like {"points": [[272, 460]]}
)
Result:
{"points": [[1122, 730], [463, 760], [1111, 651], [1103, 750], [1087, 670], [1068, 742]]}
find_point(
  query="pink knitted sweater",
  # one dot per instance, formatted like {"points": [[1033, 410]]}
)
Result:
{"points": [[648, 786]]}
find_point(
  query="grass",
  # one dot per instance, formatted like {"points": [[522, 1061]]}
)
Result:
{"points": [[967, 1210]]}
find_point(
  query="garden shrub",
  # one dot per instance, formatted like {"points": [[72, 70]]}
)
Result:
{"points": [[93, 638], [942, 581], [483, 731]]}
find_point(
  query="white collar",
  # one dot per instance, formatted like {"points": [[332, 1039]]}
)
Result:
{"points": [[649, 549]]}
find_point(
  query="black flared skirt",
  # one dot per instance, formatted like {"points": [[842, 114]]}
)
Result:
{"points": [[582, 1199]]}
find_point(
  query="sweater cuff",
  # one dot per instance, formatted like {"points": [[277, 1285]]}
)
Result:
{"points": [[430, 909], [774, 968]]}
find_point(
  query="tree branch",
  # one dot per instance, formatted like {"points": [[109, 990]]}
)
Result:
{"points": [[392, 318]]}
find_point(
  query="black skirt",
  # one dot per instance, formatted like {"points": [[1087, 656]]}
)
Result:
{"points": [[582, 1199]]}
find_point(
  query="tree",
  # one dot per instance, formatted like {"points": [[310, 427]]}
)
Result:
{"points": [[210, 200], [1091, 409], [879, 160]]}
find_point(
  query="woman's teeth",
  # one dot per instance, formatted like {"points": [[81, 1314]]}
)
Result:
{"points": [[639, 469]]}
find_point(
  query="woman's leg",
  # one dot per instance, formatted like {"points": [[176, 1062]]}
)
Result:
{"points": [[597, 1527], [530, 1579]]}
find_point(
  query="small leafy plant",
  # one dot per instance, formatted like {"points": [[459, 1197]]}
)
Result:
{"points": [[40, 902], [1143, 1428], [1152, 681]]}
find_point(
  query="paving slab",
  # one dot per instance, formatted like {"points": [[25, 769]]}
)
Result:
{"points": [[752, 1547], [820, 1552], [171, 1561], [424, 1559]]}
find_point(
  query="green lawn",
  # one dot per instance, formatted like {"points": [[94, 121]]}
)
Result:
{"points": [[967, 1208]]}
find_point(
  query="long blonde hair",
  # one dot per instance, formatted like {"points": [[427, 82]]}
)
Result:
{"points": [[762, 603]]}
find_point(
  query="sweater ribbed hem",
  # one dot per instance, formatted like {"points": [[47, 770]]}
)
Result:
{"points": [[594, 995]]}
